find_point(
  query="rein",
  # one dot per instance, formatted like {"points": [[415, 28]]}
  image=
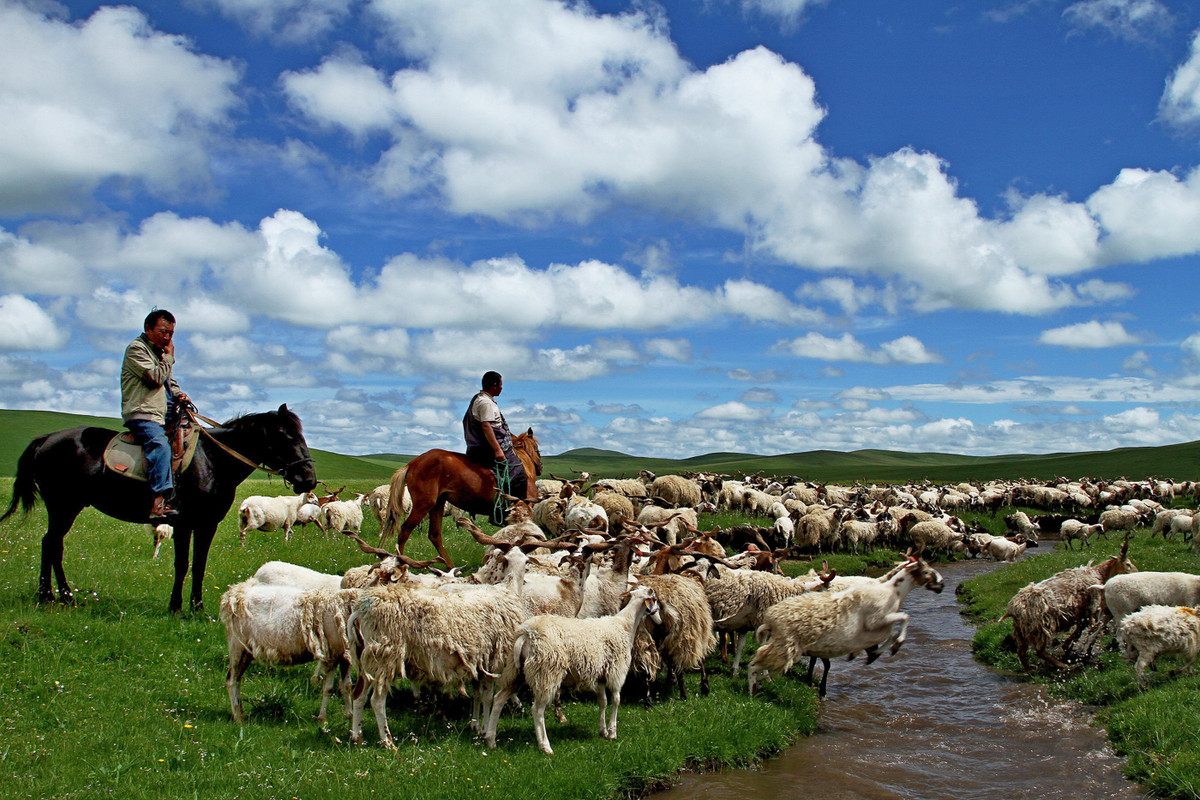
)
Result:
{"points": [[190, 411]]}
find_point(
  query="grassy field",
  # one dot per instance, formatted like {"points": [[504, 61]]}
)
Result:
{"points": [[113, 697], [1157, 730], [1178, 461]]}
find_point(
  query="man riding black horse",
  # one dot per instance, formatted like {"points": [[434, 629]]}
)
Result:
{"points": [[148, 396]]}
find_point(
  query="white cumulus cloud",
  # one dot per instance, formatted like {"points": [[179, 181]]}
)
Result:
{"points": [[24, 325], [107, 97], [1093, 334]]}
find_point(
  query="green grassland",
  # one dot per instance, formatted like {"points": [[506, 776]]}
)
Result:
{"points": [[112, 696]]}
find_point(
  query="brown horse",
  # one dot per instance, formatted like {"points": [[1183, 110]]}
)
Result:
{"points": [[437, 477]]}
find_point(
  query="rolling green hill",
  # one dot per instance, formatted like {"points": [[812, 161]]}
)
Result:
{"points": [[18, 428], [1177, 461]]}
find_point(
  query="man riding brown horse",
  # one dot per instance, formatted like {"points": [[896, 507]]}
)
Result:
{"points": [[489, 441]]}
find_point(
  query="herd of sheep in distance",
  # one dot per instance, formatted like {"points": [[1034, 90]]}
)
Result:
{"points": [[607, 583]]}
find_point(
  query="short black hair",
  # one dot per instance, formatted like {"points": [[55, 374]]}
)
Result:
{"points": [[154, 316], [490, 378]]}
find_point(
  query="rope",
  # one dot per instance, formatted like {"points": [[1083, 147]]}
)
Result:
{"points": [[503, 487], [189, 410]]}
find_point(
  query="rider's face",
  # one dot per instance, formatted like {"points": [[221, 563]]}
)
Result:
{"points": [[495, 390], [161, 334]]}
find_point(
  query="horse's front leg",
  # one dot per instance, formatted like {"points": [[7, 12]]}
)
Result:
{"points": [[200, 546], [183, 543]]}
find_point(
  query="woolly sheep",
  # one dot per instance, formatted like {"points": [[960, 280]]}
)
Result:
{"points": [[1042, 610], [685, 636], [677, 490], [343, 515], [1073, 529], [259, 513], [1156, 630], [590, 654], [284, 625], [450, 640], [1118, 519]]}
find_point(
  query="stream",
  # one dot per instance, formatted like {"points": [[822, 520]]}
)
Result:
{"points": [[931, 723]]}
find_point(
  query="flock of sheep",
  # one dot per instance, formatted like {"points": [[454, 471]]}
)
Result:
{"points": [[610, 581]]}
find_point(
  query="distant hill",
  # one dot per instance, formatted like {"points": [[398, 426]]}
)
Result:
{"points": [[18, 428], [1176, 461]]}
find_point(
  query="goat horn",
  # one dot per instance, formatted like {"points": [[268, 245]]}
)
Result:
{"points": [[366, 548]]}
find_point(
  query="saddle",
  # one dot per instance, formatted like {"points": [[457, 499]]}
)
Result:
{"points": [[125, 456]]}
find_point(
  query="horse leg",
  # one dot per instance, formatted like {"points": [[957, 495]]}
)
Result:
{"points": [[435, 531], [201, 543], [183, 543], [60, 521]]}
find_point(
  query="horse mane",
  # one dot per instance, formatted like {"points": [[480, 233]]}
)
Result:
{"points": [[527, 444], [249, 418]]}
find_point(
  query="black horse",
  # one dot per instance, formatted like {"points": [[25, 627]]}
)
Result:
{"points": [[67, 469]]}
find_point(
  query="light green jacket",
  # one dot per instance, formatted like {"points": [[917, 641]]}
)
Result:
{"points": [[145, 372]]}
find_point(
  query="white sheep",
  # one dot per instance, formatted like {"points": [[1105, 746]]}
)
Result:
{"points": [[1118, 519], [590, 654], [340, 516], [1125, 594], [285, 625], [309, 512], [259, 513], [282, 573], [450, 640], [1156, 630], [1004, 549]]}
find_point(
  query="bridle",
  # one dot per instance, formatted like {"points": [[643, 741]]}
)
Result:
{"points": [[190, 410]]}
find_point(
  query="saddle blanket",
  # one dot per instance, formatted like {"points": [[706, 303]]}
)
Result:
{"points": [[126, 457]]}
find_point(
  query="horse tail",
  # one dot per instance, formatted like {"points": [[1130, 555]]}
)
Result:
{"points": [[24, 489], [395, 506]]}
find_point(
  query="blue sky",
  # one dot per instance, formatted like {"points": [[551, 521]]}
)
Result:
{"points": [[676, 228]]}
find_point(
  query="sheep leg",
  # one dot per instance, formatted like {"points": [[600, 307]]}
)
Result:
{"points": [[737, 658], [379, 705], [489, 730], [812, 667], [703, 680], [602, 700], [539, 724], [239, 660], [559, 716], [616, 706]]}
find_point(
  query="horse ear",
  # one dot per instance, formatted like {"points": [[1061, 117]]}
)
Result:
{"points": [[283, 409], [529, 432]]}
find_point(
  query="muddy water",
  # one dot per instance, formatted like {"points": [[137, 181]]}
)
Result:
{"points": [[932, 723]]}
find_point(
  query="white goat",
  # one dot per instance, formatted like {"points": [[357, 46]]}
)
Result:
{"points": [[829, 624], [160, 533], [591, 654]]}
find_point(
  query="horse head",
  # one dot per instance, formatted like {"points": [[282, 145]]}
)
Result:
{"points": [[527, 443]]}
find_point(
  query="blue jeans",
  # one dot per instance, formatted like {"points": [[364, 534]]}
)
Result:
{"points": [[153, 439]]}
